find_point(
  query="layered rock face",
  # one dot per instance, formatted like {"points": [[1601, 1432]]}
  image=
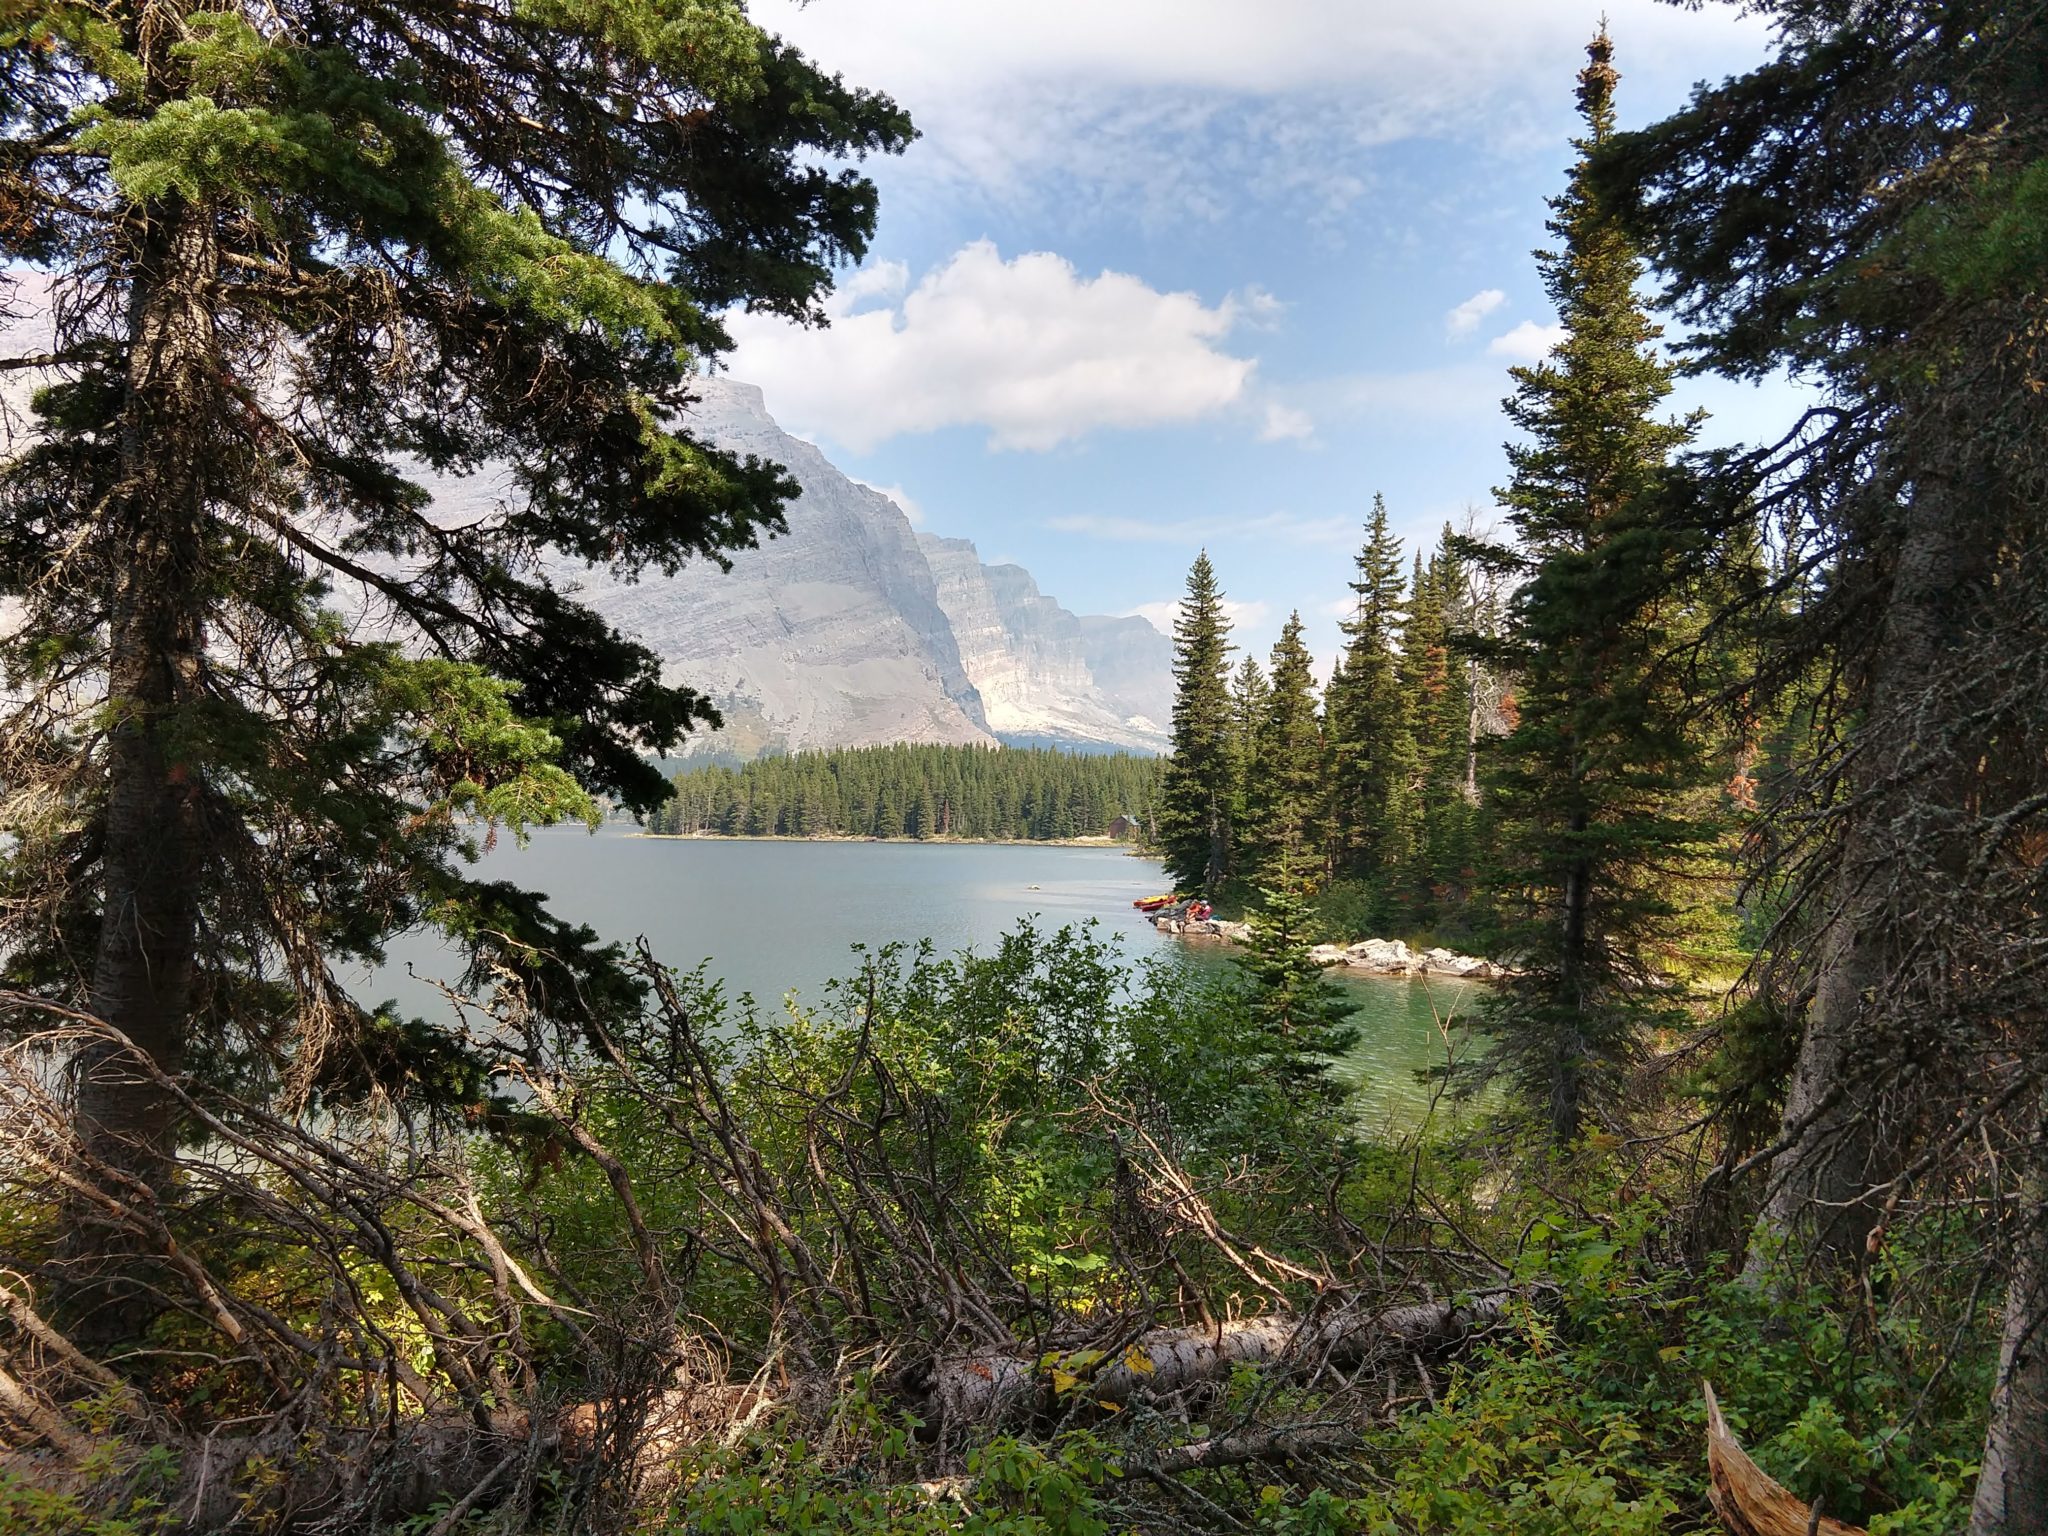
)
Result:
{"points": [[1035, 664], [853, 630], [830, 635], [1132, 664], [846, 631]]}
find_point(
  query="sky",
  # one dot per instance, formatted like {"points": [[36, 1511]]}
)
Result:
{"points": [[1165, 275]]}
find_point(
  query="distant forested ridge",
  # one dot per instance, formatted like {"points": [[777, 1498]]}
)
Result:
{"points": [[1034, 794]]}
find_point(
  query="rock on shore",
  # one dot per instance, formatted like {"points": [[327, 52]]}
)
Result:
{"points": [[1372, 957]]}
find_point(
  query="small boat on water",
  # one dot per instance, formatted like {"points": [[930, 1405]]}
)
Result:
{"points": [[1154, 903]]}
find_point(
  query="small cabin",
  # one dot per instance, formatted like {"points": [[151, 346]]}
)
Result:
{"points": [[1125, 828]]}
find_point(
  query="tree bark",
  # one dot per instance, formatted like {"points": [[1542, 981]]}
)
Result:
{"points": [[997, 1389], [1749, 1500], [1839, 1153], [1568, 1068], [2012, 1488], [153, 530]]}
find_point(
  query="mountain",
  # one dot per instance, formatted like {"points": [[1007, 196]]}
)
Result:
{"points": [[848, 630], [829, 635], [1038, 668], [851, 629]]}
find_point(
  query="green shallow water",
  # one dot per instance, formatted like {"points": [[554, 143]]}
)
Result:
{"points": [[776, 917]]}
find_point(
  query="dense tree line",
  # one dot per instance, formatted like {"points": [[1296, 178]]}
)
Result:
{"points": [[1519, 745], [1771, 715], [1366, 788], [1032, 794]]}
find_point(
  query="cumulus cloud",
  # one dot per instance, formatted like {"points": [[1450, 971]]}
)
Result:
{"points": [[1270, 527], [1093, 107], [1284, 423], [884, 279], [1028, 348], [1243, 616], [1463, 319], [1527, 342]]}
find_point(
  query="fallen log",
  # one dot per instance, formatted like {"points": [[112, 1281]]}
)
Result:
{"points": [[1264, 1445], [1748, 1499], [400, 1473], [997, 1389]]}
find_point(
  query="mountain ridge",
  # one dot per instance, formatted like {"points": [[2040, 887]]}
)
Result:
{"points": [[854, 628]]}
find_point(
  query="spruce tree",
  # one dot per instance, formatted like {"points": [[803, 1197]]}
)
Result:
{"points": [[1305, 1014], [1866, 209], [1869, 208], [296, 254], [1366, 715], [1591, 845], [1291, 792], [1196, 793], [1249, 692], [1429, 849]]}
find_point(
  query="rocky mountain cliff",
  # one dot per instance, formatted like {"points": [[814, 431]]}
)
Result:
{"points": [[830, 635], [853, 630], [1039, 668], [848, 630]]}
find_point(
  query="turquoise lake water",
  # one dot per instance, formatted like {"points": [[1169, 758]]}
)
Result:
{"points": [[776, 917]]}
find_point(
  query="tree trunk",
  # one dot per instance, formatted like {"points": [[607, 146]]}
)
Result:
{"points": [[1749, 1500], [2012, 1488], [1568, 1065], [1838, 1153], [1472, 675], [1219, 847], [999, 1388], [154, 538]]}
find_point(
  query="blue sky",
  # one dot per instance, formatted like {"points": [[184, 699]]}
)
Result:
{"points": [[1167, 274]]}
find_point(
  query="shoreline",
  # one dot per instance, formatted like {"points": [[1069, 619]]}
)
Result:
{"points": [[933, 842], [1367, 957]]}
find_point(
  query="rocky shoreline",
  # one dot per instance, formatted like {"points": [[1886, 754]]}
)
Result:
{"points": [[1370, 957]]}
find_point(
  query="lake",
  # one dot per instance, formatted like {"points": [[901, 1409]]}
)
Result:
{"points": [[780, 917]]}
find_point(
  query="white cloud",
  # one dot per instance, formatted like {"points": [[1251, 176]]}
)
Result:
{"points": [[1464, 318], [1261, 309], [1027, 348], [1269, 527], [904, 502], [1094, 108], [1159, 615], [1284, 423], [1243, 616], [1527, 342], [1246, 616], [884, 279]]}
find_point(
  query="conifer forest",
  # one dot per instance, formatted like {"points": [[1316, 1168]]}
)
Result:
{"points": [[1025, 794], [1729, 1209]]}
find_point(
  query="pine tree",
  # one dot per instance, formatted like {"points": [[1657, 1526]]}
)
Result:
{"points": [[1304, 1013], [1869, 208], [1249, 691], [1429, 849], [296, 250], [1290, 794], [1591, 845], [1196, 792], [1366, 714]]}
